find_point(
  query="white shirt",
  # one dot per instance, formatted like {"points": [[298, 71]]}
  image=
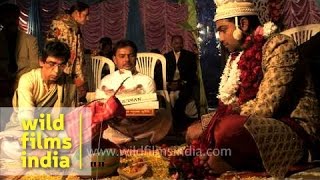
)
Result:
{"points": [[176, 75], [113, 81]]}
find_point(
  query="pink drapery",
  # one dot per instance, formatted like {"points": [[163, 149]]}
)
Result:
{"points": [[108, 18], [24, 7], [300, 12], [160, 19], [290, 13], [275, 11], [49, 10]]}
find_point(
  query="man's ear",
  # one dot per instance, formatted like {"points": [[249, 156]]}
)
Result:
{"points": [[41, 63], [244, 24], [114, 60]]}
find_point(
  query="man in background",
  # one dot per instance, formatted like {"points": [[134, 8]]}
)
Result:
{"points": [[105, 48], [18, 52], [182, 83]]}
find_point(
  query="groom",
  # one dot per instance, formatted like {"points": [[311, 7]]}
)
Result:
{"points": [[268, 114]]}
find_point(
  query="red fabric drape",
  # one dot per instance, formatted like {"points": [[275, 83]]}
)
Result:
{"points": [[300, 12], [48, 11], [91, 116], [108, 18], [24, 7], [160, 19]]}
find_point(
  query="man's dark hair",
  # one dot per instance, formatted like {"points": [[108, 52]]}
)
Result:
{"points": [[56, 49], [105, 41], [8, 9], [125, 43], [78, 6], [253, 20]]}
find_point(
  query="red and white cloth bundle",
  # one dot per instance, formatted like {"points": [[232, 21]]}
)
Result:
{"points": [[91, 115]]}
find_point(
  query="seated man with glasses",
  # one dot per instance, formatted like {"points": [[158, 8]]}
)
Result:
{"points": [[46, 88]]}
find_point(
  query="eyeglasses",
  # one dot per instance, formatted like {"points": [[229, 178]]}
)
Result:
{"points": [[52, 65]]}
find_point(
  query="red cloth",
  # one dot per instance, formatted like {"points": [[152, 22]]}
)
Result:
{"points": [[92, 114], [226, 131], [207, 139], [230, 133]]}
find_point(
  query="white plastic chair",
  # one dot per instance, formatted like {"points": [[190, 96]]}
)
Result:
{"points": [[95, 66], [301, 34], [146, 63]]}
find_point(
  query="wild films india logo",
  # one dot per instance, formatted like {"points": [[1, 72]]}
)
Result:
{"points": [[35, 137], [56, 143]]}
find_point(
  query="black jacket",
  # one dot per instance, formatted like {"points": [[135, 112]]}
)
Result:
{"points": [[187, 65]]}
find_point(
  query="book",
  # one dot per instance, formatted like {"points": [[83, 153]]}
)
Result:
{"points": [[124, 99], [134, 99], [140, 112], [143, 105]]}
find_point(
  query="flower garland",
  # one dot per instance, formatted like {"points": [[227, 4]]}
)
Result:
{"points": [[241, 77], [230, 80]]}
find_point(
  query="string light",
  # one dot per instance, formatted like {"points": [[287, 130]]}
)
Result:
{"points": [[205, 34], [200, 40], [202, 32]]}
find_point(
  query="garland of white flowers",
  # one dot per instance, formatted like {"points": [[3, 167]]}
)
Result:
{"points": [[269, 28], [230, 81]]}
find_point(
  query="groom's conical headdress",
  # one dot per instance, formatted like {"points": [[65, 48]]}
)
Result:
{"points": [[233, 8]]}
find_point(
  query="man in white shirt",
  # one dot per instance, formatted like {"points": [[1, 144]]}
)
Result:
{"points": [[132, 129]]}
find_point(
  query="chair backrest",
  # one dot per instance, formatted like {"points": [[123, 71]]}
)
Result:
{"points": [[96, 64], [146, 63], [301, 34]]}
